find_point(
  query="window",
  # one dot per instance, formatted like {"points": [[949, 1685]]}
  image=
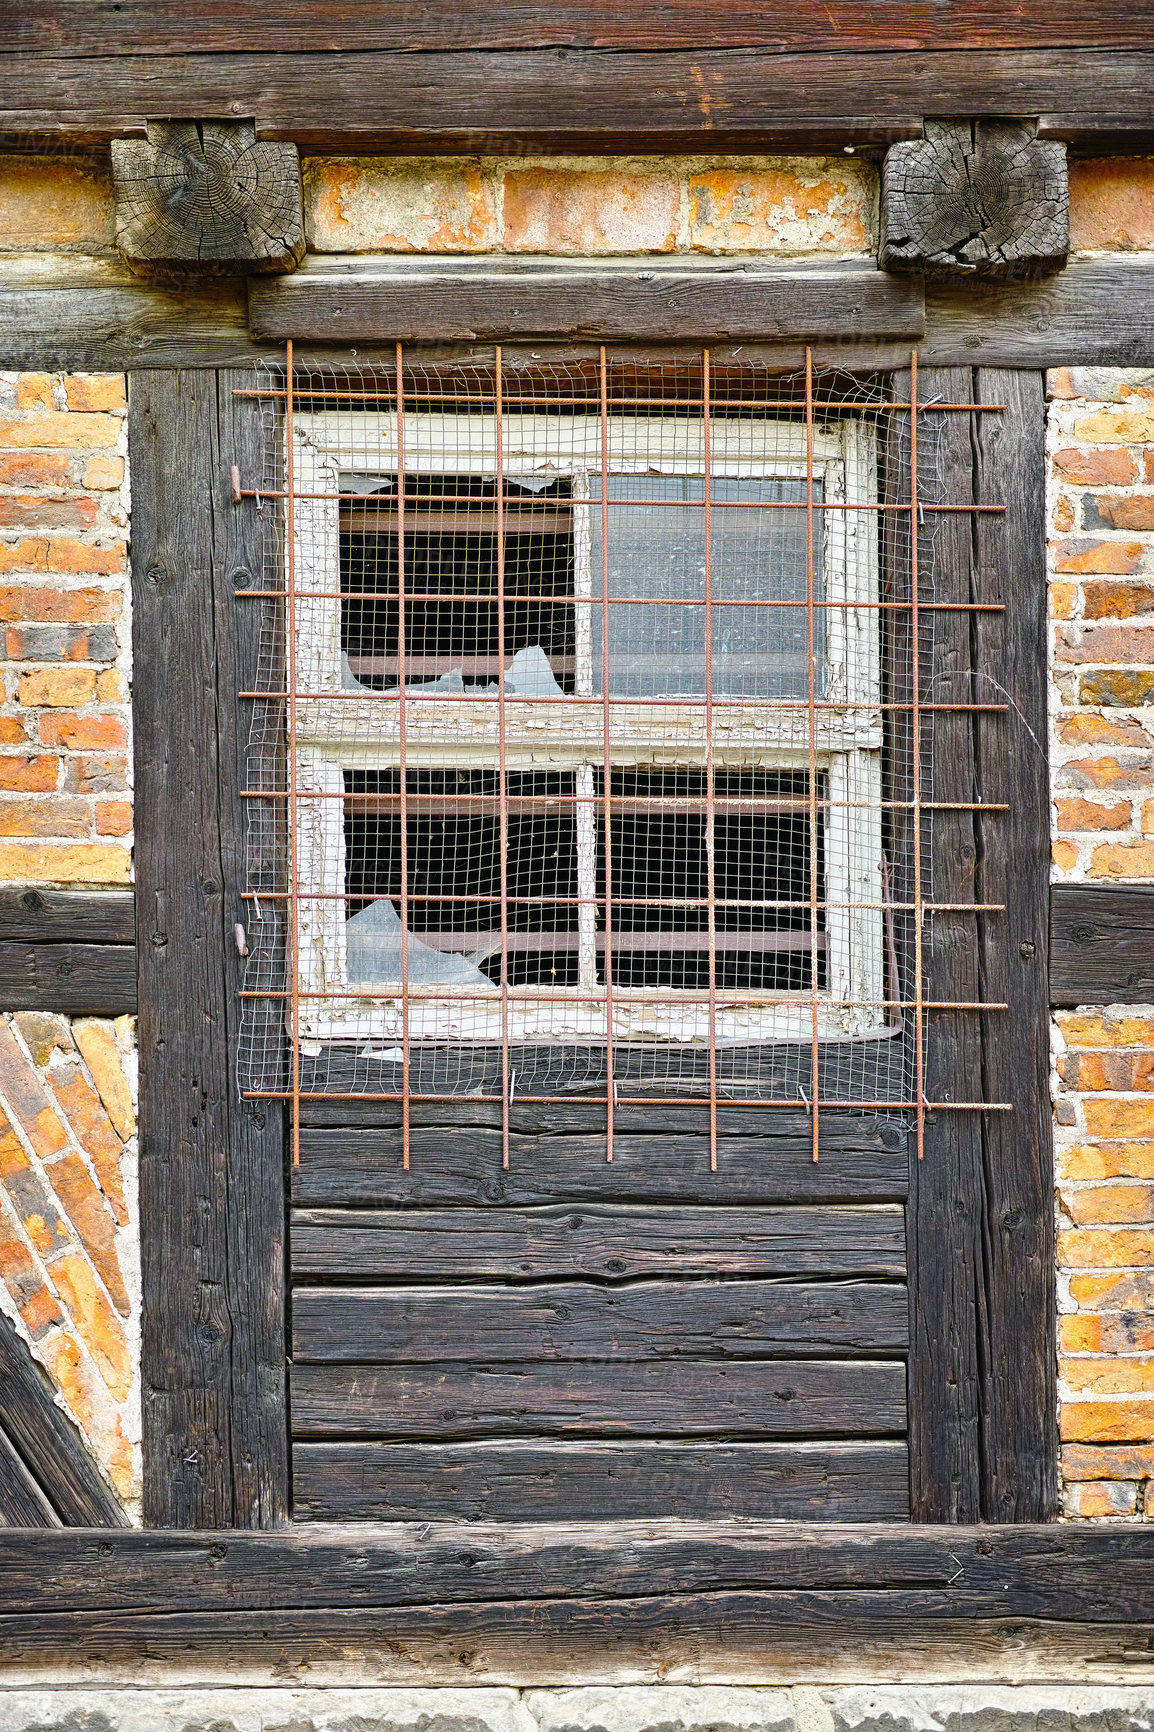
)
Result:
{"points": [[627, 812]]}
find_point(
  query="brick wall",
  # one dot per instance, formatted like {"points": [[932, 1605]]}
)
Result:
{"points": [[68, 1246], [1101, 514]]}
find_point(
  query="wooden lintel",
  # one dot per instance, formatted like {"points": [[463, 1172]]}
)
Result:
{"points": [[671, 300], [975, 198], [207, 197]]}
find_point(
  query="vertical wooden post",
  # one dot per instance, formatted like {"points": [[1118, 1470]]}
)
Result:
{"points": [[211, 1190]]}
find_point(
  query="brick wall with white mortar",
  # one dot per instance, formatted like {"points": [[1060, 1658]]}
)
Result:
{"points": [[1101, 518]]}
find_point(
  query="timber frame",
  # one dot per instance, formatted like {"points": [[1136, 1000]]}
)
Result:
{"points": [[530, 1603]]}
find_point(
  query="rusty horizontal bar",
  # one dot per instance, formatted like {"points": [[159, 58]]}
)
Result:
{"points": [[632, 1100], [686, 902], [415, 506], [677, 998], [770, 806], [695, 702], [659, 941], [571, 600], [865, 405]]}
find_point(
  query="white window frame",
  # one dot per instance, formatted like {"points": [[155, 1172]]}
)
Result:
{"points": [[338, 731]]}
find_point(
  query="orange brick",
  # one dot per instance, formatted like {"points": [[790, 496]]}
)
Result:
{"points": [[26, 1099], [1125, 1332], [96, 1039], [1119, 688], [63, 863], [13, 731], [113, 817], [38, 775], [62, 430], [579, 211], [1111, 204], [1103, 1248], [21, 512], [1109, 1376], [1113, 1498], [1100, 1204], [1063, 517], [1098, 730], [1100, 1028], [1107, 772], [90, 1216], [1123, 557], [93, 1129], [44, 815], [111, 687], [1123, 860], [34, 391], [104, 473], [1085, 1461], [34, 469], [34, 1300], [1107, 1161], [65, 555], [1107, 1421], [95, 1321], [1094, 1072], [98, 733], [50, 202], [1113, 427], [43, 1034], [1078, 1334], [1105, 643], [1098, 1291], [771, 209], [1148, 818], [58, 687], [99, 391], [1084, 815], [29, 1197], [1106, 1117], [1064, 856], [1096, 468], [96, 775], [36, 602], [1126, 511]]}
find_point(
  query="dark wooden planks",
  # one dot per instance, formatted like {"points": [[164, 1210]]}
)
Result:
{"points": [[655, 1398], [214, 1453], [556, 98], [72, 979], [587, 1321], [136, 27], [68, 916], [43, 1447], [604, 1241], [22, 1504], [1096, 312], [462, 1164], [518, 1479], [334, 300], [1015, 1318], [1055, 1571], [1101, 944]]}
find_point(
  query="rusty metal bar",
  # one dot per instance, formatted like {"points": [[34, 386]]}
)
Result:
{"points": [[916, 768], [861, 403], [606, 762], [402, 742], [811, 685], [293, 947], [710, 815], [503, 779]]}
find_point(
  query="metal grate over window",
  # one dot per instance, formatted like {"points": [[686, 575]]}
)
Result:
{"points": [[592, 742]]}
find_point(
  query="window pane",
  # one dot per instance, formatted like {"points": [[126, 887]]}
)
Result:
{"points": [[657, 553]]}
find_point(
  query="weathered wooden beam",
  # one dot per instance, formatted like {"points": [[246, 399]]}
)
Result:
{"points": [[70, 979], [43, 1449], [207, 196], [1101, 944], [980, 197], [437, 299], [557, 98], [36, 916]]}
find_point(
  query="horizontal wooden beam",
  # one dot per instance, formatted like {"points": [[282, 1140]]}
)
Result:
{"points": [[68, 916], [72, 952], [1097, 312], [569, 98], [436, 299], [1080, 1574], [1101, 944], [141, 27]]}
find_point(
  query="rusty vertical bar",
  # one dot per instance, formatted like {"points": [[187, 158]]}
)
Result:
{"points": [[606, 757], [916, 788], [814, 816], [293, 794], [402, 779], [502, 768], [710, 814]]}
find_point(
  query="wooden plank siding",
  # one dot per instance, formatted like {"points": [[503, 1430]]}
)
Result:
{"points": [[47, 1477], [1101, 944]]}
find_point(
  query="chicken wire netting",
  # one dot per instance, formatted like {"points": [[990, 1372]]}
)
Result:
{"points": [[582, 747]]}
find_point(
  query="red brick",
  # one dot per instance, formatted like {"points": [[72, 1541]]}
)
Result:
{"points": [[34, 1299], [96, 775], [27, 1100], [1117, 600], [1128, 511], [1096, 468], [94, 1131], [83, 733], [34, 468], [1084, 815], [113, 817], [12, 731], [1122, 557], [44, 514], [1105, 643], [1125, 688], [38, 775], [30, 1198], [65, 606], [45, 815], [96, 1322]]}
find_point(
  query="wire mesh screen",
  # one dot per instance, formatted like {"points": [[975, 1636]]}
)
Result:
{"points": [[592, 737]]}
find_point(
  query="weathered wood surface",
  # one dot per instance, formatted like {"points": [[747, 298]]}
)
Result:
{"points": [[68, 916], [1101, 944], [514, 1479], [459, 1164], [975, 197], [71, 979], [214, 1448], [139, 27], [1068, 1573], [557, 98], [1015, 1249], [334, 300], [22, 1504], [600, 1241], [44, 1448], [662, 1398], [575, 1321], [208, 196]]}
